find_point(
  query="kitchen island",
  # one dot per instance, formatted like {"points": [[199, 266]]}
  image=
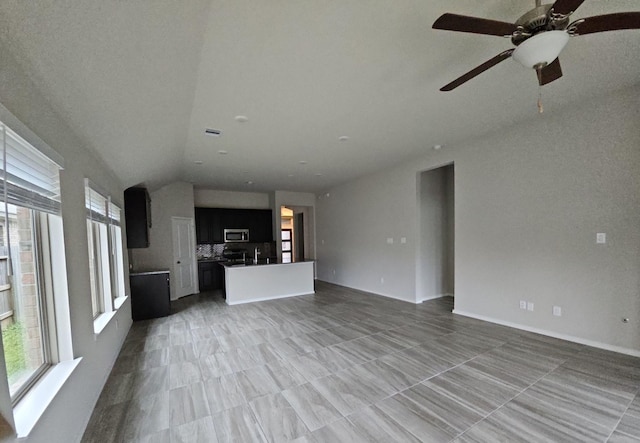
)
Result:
{"points": [[245, 283]]}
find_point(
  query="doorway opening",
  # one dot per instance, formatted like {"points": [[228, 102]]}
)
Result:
{"points": [[295, 231], [436, 253]]}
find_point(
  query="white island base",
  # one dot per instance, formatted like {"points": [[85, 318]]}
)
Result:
{"points": [[245, 284]]}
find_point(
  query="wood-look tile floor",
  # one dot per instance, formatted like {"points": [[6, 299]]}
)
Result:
{"points": [[344, 365]]}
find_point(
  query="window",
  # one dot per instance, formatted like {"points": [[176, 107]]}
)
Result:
{"points": [[106, 269], [31, 248], [286, 245]]}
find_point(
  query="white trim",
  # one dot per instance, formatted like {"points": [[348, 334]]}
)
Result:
{"points": [[571, 338], [102, 321], [35, 402], [433, 297], [119, 301], [241, 302]]}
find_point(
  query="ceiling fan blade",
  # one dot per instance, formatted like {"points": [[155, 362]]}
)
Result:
{"points": [[550, 73], [566, 7], [607, 22], [479, 70], [474, 25]]}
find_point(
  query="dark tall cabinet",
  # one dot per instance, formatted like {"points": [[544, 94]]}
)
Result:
{"points": [[137, 216], [150, 295]]}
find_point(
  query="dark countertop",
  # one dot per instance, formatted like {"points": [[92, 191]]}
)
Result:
{"points": [[211, 259], [149, 272]]}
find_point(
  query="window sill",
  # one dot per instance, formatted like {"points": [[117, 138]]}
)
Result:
{"points": [[31, 407], [120, 301], [102, 321]]}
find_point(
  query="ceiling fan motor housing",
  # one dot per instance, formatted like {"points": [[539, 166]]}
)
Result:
{"points": [[537, 20]]}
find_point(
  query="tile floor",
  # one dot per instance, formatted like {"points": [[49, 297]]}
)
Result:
{"points": [[346, 366]]}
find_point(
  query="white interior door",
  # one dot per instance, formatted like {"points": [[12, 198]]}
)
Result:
{"points": [[184, 256]]}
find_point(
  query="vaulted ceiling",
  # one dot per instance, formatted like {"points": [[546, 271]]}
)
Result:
{"points": [[139, 81]]}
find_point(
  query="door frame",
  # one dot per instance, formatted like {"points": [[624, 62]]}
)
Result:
{"points": [[192, 249]]}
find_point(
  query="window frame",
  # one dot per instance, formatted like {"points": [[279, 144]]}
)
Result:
{"points": [[30, 180], [106, 254]]}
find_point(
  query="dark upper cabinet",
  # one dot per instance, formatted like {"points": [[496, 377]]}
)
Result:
{"points": [[211, 223], [137, 216], [261, 230], [204, 230]]}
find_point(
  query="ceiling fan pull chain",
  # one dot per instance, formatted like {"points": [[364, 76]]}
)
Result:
{"points": [[540, 107], [539, 73]]}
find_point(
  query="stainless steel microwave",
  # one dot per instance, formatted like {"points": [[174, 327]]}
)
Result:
{"points": [[236, 235]]}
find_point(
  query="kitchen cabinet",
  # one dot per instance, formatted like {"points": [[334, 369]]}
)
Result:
{"points": [[150, 295], [211, 223], [261, 230], [210, 276], [137, 215]]}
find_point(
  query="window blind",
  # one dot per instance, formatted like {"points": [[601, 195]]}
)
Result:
{"points": [[31, 178], [114, 214], [96, 204]]}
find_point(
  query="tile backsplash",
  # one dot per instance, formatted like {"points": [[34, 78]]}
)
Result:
{"points": [[215, 250]]}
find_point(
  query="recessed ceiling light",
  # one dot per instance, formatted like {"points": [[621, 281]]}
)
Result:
{"points": [[222, 152], [249, 182], [343, 138], [437, 147], [213, 132], [198, 162], [242, 118], [303, 162]]}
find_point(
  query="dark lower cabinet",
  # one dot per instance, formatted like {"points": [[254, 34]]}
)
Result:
{"points": [[150, 295], [210, 276]]}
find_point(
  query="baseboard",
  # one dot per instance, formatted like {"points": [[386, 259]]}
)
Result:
{"points": [[434, 297], [241, 302], [368, 291], [571, 338]]}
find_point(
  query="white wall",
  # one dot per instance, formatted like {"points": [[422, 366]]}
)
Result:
{"points": [[210, 198], [172, 200], [529, 201], [67, 416], [353, 223]]}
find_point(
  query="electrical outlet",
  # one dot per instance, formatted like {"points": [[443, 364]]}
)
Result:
{"points": [[523, 304], [529, 306], [334, 272], [403, 240], [601, 238], [557, 311]]}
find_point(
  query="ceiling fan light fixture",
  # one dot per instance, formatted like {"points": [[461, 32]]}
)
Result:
{"points": [[541, 49]]}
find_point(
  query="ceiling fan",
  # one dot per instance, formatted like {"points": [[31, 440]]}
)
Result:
{"points": [[539, 36]]}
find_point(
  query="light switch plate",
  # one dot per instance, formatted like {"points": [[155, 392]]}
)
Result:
{"points": [[390, 240], [403, 240], [523, 304], [529, 306], [601, 238], [557, 311]]}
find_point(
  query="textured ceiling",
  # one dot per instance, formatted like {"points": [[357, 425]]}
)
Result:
{"points": [[140, 80]]}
